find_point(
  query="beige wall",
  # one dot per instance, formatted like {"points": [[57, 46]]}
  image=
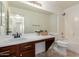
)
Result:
{"points": [[61, 23], [57, 23], [53, 23]]}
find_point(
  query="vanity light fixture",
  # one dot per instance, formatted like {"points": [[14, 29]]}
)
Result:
{"points": [[33, 4], [76, 18], [36, 3]]}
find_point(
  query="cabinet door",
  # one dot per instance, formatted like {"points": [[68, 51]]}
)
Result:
{"points": [[27, 50], [7, 51], [49, 42], [29, 53]]}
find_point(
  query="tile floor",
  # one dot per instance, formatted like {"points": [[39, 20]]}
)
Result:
{"points": [[53, 53]]}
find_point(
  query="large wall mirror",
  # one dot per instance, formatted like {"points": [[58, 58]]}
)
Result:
{"points": [[19, 17], [25, 20], [2, 19]]}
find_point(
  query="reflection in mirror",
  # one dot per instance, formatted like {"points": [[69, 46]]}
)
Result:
{"points": [[27, 21], [2, 19], [16, 23]]}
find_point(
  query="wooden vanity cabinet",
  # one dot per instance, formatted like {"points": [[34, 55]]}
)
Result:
{"points": [[24, 49], [20, 50], [27, 49], [8, 51], [49, 42]]}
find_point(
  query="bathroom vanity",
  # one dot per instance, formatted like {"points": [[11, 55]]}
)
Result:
{"points": [[24, 47]]}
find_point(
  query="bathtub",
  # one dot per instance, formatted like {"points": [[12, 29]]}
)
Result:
{"points": [[73, 44]]}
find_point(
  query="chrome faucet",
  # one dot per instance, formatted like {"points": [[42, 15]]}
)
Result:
{"points": [[17, 35]]}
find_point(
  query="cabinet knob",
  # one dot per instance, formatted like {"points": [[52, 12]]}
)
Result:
{"points": [[20, 54]]}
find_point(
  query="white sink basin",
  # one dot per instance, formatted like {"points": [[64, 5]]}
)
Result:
{"points": [[11, 40], [16, 39]]}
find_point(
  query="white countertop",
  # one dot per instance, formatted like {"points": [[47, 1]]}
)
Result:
{"points": [[9, 40]]}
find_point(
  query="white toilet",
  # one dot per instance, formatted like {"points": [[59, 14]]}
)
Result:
{"points": [[60, 45]]}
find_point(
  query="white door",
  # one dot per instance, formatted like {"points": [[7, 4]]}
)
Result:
{"points": [[17, 24]]}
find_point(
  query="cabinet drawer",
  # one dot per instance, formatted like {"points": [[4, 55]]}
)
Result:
{"points": [[29, 53], [27, 46], [7, 51]]}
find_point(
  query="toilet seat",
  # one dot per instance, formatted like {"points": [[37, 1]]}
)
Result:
{"points": [[61, 43]]}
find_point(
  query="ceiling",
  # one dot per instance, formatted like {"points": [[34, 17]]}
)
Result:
{"points": [[66, 4], [56, 6]]}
